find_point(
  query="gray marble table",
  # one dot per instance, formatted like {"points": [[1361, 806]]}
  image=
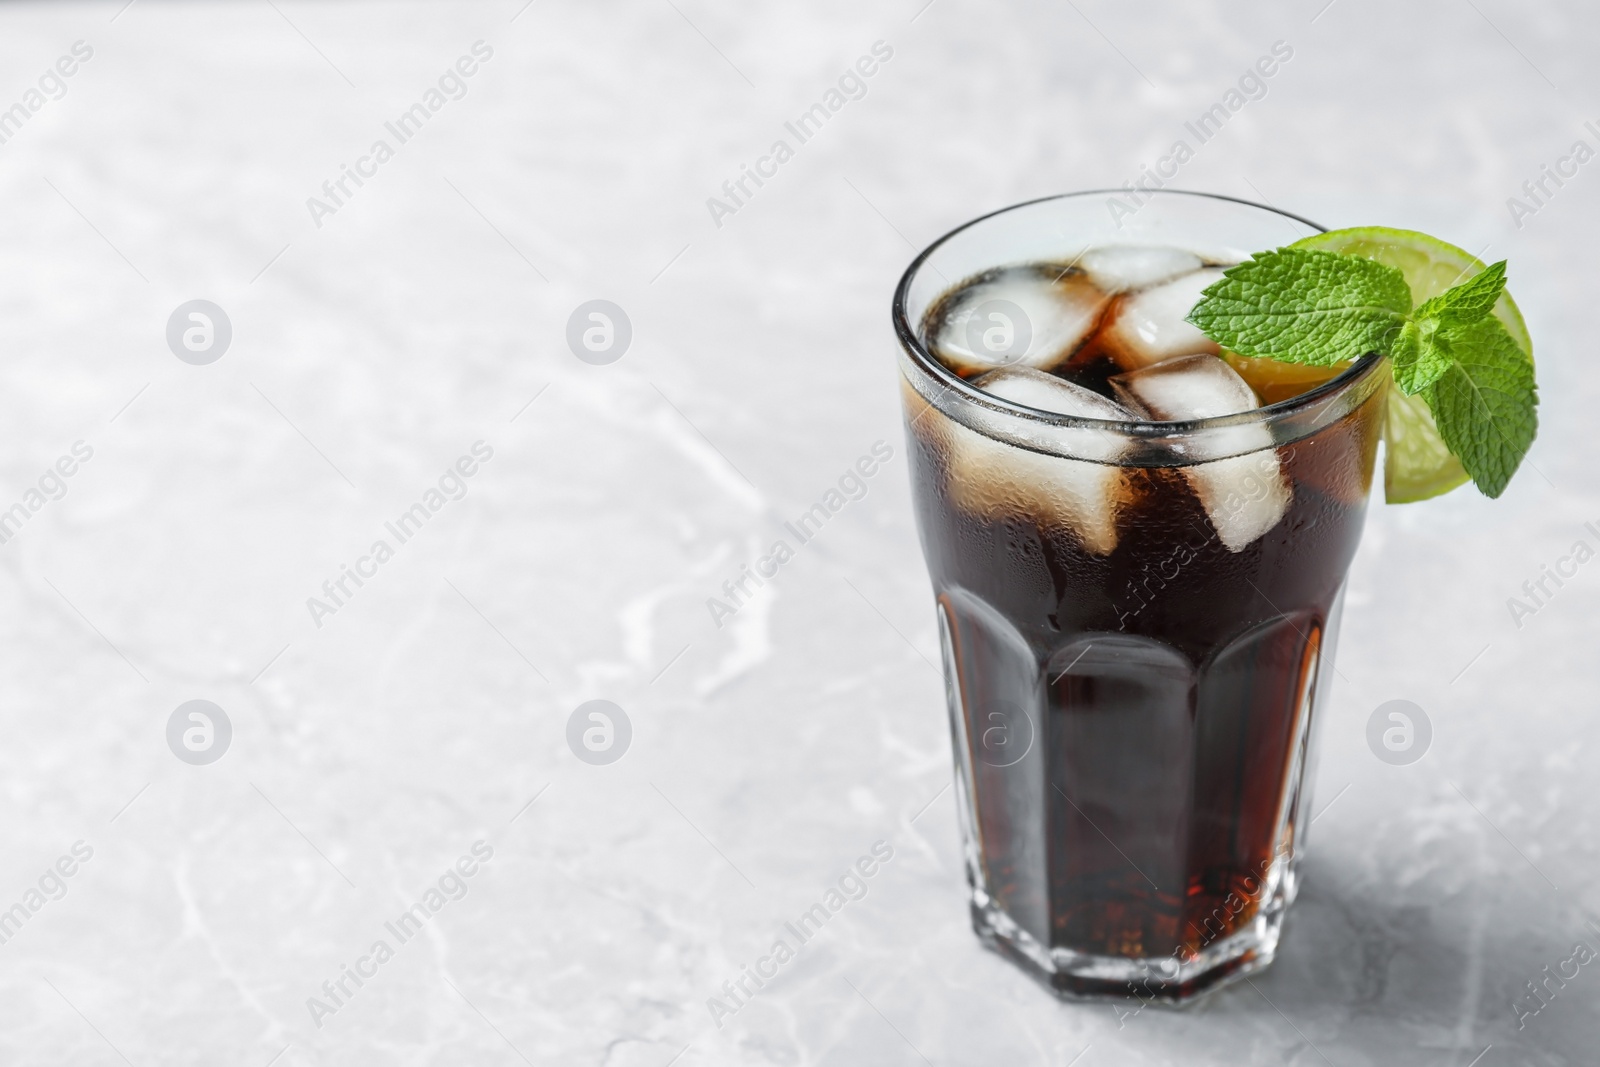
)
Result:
{"points": [[403, 741]]}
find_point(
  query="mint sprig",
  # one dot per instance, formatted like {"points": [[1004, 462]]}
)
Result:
{"points": [[1300, 306], [1308, 306], [1484, 403]]}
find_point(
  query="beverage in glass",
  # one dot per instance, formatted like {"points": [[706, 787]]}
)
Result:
{"points": [[1137, 545]]}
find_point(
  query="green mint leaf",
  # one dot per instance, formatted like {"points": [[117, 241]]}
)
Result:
{"points": [[1485, 403], [1464, 304], [1305, 306], [1421, 355], [1424, 350]]}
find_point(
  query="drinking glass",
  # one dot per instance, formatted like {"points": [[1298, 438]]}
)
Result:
{"points": [[1133, 713]]}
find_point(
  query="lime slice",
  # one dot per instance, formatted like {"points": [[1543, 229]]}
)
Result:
{"points": [[1417, 465]]}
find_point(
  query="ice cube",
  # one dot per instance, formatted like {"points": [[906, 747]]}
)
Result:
{"points": [[1245, 494], [1149, 326], [1021, 316], [1046, 392], [1189, 387], [1124, 268], [993, 478]]}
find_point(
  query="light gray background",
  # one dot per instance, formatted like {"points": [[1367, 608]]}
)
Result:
{"points": [[369, 753]]}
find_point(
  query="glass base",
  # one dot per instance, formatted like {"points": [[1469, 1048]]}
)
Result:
{"points": [[1137, 769], [1080, 976]]}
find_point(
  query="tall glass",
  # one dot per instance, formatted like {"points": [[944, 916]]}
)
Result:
{"points": [[1133, 710]]}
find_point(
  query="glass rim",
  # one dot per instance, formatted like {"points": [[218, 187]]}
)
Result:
{"points": [[911, 342]]}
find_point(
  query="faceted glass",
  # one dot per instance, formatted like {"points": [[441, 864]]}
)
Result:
{"points": [[1133, 713]]}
